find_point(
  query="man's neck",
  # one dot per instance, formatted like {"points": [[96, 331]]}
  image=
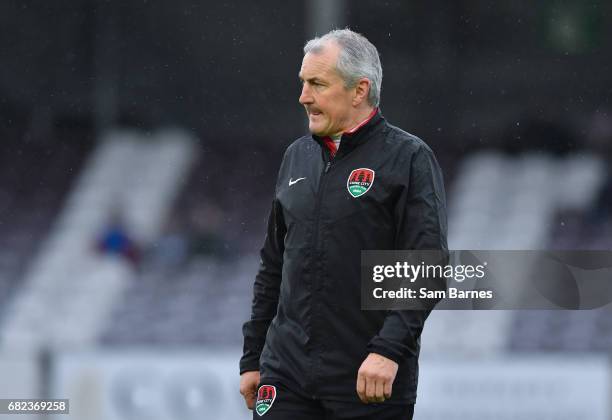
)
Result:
{"points": [[358, 119]]}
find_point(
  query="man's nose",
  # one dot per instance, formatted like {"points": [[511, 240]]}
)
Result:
{"points": [[305, 97]]}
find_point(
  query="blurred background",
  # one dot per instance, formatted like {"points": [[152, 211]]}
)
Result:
{"points": [[139, 144]]}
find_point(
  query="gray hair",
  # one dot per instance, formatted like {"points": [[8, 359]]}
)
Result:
{"points": [[358, 58]]}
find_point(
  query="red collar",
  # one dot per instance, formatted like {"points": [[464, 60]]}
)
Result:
{"points": [[329, 142], [331, 146]]}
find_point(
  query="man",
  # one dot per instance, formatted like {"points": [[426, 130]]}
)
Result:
{"points": [[355, 183]]}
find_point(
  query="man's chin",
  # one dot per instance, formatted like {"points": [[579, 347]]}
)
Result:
{"points": [[317, 130]]}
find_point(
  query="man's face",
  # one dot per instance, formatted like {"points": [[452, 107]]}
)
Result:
{"points": [[327, 102]]}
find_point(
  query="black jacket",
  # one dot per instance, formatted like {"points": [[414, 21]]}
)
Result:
{"points": [[307, 328]]}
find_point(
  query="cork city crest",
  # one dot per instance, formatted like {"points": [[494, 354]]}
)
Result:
{"points": [[359, 181], [265, 398]]}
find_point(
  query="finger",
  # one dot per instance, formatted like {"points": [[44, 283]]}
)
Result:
{"points": [[249, 385], [361, 386], [249, 399], [388, 389], [379, 397], [370, 389]]}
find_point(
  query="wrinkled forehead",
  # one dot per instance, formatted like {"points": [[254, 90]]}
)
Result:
{"points": [[320, 62]]}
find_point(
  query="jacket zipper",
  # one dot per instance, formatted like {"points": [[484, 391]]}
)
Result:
{"points": [[320, 193], [319, 203]]}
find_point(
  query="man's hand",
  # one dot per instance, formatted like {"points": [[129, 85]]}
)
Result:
{"points": [[375, 378], [248, 387]]}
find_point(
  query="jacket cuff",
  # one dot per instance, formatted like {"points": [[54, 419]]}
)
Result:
{"points": [[378, 346], [248, 365]]}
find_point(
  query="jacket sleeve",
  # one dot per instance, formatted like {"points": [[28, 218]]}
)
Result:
{"points": [[420, 217], [265, 290]]}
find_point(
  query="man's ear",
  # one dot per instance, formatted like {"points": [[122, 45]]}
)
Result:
{"points": [[362, 89]]}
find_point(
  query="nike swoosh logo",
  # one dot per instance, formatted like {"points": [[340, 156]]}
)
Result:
{"points": [[291, 182]]}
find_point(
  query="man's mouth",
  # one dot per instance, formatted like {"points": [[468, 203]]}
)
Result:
{"points": [[314, 113]]}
